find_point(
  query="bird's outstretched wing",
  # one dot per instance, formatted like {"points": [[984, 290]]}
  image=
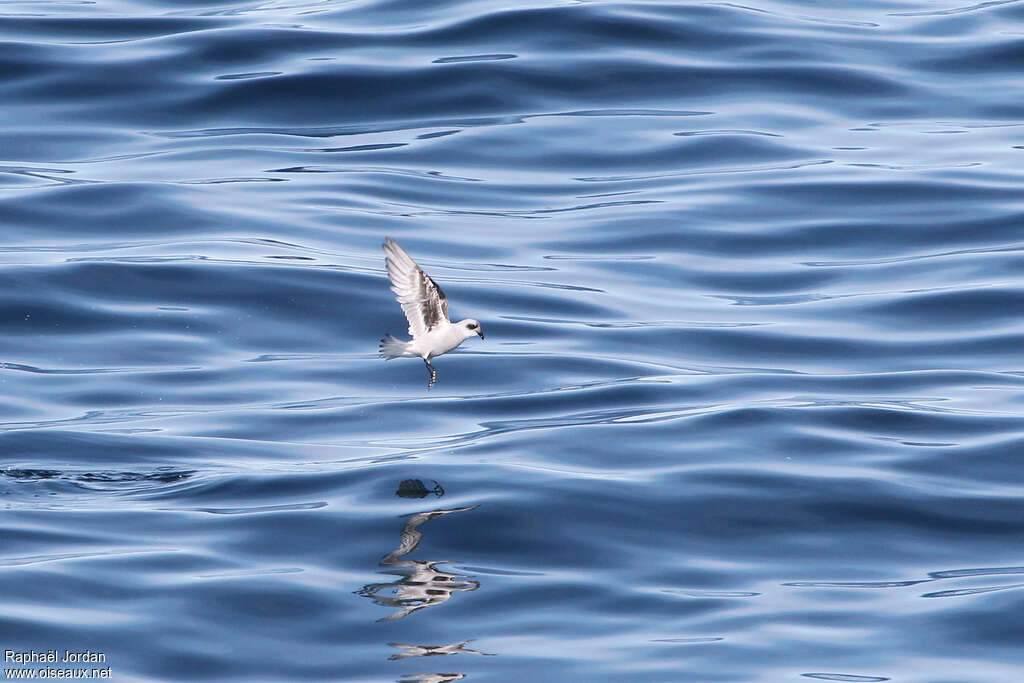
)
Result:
{"points": [[422, 300]]}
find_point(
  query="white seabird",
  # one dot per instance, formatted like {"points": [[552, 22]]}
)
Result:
{"points": [[426, 308]]}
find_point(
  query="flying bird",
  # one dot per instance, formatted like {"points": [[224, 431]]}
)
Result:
{"points": [[426, 309]]}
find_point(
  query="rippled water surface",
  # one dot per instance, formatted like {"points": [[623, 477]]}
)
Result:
{"points": [[751, 401]]}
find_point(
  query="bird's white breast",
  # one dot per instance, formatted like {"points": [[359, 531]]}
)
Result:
{"points": [[440, 340]]}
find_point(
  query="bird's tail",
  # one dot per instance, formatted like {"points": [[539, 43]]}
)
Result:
{"points": [[391, 347]]}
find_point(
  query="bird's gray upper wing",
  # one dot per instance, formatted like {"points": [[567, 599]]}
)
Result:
{"points": [[423, 302]]}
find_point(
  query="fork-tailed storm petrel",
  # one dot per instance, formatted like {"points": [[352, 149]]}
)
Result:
{"points": [[426, 308]]}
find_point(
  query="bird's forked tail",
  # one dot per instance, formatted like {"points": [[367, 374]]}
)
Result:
{"points": [[391, 347]]}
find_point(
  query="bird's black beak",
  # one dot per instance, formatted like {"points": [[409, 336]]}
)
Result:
{"points": [[481, 333]]}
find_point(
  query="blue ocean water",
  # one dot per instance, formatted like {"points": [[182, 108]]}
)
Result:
{"points": [[751, 402]]}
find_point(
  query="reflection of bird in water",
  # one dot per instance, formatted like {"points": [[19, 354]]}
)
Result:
{"points": [[422, 583], [426, 309], [434, 650], [433, 678]]}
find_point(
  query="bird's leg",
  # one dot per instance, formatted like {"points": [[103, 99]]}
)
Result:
{"points": [[433, 373]]}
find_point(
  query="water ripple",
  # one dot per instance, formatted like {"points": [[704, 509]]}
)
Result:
{"points": [[751, 390]]}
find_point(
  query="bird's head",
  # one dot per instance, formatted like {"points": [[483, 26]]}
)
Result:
{"points": [[470, 327]]}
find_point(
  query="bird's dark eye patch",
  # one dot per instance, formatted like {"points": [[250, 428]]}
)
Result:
{"points": [[471, 326]]}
